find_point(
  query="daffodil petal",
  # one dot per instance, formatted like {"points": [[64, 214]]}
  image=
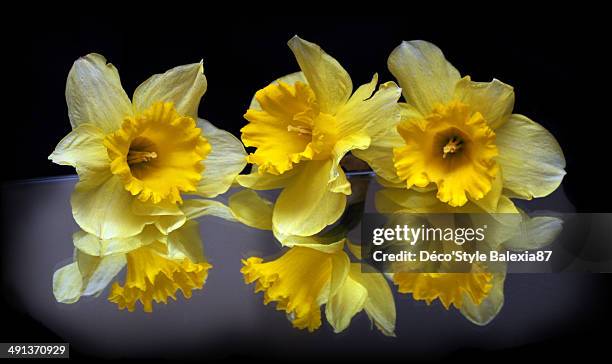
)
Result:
{"points": [[494, 100], [345, 304], [251, 209], [67, 283], [97, 272], [379, 155], [337, 179], [425, 76], [105, 209], [224, 162], [374, 114], [186, 242], [391, 200], [266, 181], [319, 243], [360, 119], [330, 82], [481, 314], [380, 305], [83, 149], [168, 223], [532, 161], [92, 245], [94, 94], [355, 249], [197, 207], [341, 265], [306, 205], [535, 233], [184, 86]]}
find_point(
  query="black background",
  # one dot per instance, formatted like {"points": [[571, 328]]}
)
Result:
{"points": [[556, 65]]}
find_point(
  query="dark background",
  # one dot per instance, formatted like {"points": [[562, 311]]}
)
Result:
{"points": [[555, 64]]}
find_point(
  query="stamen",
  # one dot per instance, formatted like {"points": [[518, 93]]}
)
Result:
{"points": [[453, 145], [299, 129], [136, 156]]}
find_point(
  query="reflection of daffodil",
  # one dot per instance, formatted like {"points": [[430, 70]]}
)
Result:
{"points": [[448, 287], [302, 125], [478, 293], [136, 158], [313, 273], [304, 278], [157, 267], [461, 135]]}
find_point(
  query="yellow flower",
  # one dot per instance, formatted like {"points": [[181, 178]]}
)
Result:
{"points": [[157, 267], [136, 158], [479, 292], [461, 136], [302, 125], [308, 276]]}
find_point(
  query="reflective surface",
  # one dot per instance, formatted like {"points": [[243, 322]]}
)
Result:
{"points": [[227, 319]]}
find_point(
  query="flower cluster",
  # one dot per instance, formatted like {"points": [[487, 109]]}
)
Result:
{"points": [[148, 167]]}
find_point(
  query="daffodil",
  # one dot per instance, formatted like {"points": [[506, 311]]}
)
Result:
{"points": [[158, 266], [313, 272], [136, 159], [460, 138], [478, 291], [301, 126], [306, 277]]}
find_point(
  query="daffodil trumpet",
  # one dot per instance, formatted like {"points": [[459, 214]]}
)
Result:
{"points": [[137, 159], [302, 125]]}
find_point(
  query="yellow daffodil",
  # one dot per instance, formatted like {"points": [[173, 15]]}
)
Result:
{"points": [[302, 125], [136, 159], [478, 293], [306, 277], [462, 137], [157, 267], [312, 273]]}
